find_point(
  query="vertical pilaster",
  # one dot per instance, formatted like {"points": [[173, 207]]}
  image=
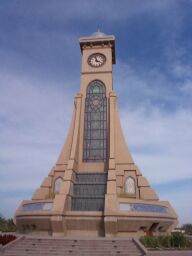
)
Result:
{"points": [[111, 183], [111, 196], [62, 201]]}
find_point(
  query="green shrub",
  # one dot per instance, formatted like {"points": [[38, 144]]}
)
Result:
{"points": [[6, 225], [164, 241], [189, 243], [150, 241], [176, 240]]}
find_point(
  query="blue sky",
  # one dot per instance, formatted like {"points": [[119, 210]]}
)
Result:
{"points": [[40, 66]]}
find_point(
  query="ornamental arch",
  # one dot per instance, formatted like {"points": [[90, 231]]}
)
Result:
{"points": [[95, 123], [130, 186]]}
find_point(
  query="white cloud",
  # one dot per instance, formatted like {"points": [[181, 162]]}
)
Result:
{"points": [[181, 70], [187, 86], [181, 202], [61, 11], [105, 10], [143, 88], [9, 204], [156, 123], [35, 113], [34, 119], [160, 142]]}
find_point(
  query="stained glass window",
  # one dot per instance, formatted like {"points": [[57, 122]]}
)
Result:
{"points": [[137, 207], [57, 185], [37, 206], [95, 123], [130, 186]]}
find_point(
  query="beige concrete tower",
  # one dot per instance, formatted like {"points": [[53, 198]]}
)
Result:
{"points": [[95, 188]]}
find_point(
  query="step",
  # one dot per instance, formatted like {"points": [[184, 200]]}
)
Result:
{"points": [[78, 247]]}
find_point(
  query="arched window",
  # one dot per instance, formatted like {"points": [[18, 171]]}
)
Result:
{"points": [[95, 123], [57, 185], [130, 187]]}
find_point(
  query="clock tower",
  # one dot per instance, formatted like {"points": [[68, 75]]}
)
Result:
{"points": [[95, 188]]}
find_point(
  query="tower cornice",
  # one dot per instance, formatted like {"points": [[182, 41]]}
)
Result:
{"points": [[97, 40]]}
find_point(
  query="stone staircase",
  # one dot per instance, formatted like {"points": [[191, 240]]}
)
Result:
{"points": [[89, 192], [36, 246]]}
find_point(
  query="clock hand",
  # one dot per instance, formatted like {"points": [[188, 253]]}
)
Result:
{"points": [[98, 59]]}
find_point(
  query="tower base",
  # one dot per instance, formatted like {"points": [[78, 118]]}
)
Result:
{"points": [[130, 218]]}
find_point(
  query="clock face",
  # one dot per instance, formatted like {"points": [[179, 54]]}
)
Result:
{"points": [[96, 60]]}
